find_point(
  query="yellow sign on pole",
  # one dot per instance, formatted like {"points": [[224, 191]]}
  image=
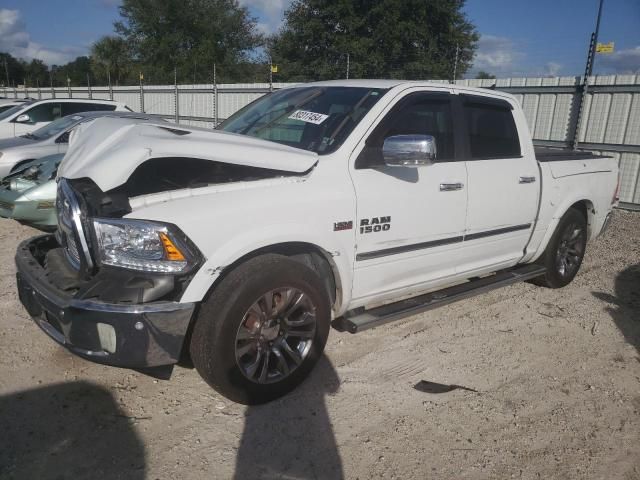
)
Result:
{"points": [[274, 68], [604, 47]]}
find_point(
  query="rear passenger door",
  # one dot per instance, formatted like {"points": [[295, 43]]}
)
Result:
{"points": [[503, 185]]}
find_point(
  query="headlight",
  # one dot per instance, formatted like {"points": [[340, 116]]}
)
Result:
{"points": [[142, 245]]}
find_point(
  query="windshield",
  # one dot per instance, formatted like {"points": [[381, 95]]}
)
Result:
{"points": [[7, 113], [317, 119], [55, 127]]}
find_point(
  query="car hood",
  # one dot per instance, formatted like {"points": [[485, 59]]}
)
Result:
{"points": [[16, 142], [109, 150]]}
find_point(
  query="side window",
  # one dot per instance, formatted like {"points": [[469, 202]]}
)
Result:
{"points": [[417, 114], [47, 112], [69, 108], [64, 138], [492, 131]]}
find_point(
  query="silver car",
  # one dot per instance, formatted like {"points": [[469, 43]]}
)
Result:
{"points": [[50, 139]]}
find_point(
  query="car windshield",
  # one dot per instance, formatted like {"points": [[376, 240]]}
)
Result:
{"points": [[55, 127], [313, 118], [7, 113]]}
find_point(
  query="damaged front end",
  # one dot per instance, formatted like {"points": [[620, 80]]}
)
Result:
{"points": [[123, 317], [107, 286]]}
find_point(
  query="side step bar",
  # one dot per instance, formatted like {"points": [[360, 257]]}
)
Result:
{"points": [[357, 320]]}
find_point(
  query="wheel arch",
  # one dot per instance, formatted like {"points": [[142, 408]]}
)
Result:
{"points": [[311, 255], [583, 205]]}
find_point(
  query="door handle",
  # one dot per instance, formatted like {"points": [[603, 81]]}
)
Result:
{"points": [[450, 187], [527, 179]]}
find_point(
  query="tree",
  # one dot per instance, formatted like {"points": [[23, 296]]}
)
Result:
{"points": [[14, 68], [384, 39], [111, 56], [76, 71], [484, 75], [188, 34], [36, 73]]}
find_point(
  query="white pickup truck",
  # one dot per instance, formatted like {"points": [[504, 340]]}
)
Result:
{"points": [[345, 203]]}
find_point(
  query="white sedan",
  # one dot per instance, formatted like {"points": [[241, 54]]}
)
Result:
{"points": [[29, 116]]}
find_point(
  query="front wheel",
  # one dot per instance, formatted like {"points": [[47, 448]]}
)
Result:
{"points": [[262, 330], [565, 251]]}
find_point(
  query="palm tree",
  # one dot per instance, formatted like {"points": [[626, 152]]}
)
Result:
{"points": [[111, 54]]}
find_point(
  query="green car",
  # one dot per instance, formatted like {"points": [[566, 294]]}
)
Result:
{"points": [[28, 195]]}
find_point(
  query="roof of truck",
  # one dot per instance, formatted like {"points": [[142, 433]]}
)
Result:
{"points": [[388, 84]]}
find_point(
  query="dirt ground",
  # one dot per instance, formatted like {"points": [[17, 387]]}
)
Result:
{"points": [[556, 375]]}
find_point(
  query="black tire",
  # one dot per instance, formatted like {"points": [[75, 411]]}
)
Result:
{"points": [[223, 314], [559, 274]]}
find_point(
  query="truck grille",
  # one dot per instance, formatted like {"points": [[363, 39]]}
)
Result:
{"points": [[70, 227]]}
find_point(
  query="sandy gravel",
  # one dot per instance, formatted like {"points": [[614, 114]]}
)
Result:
{"points": [[557, 375]]}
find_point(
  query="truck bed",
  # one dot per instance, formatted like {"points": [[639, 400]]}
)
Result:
{"points": [[549, 154]]}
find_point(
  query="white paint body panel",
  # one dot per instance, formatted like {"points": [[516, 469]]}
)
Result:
{"points": [[229, 221], [10, 128]]}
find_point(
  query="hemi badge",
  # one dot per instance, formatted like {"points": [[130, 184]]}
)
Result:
{"points": [[339, 226]]}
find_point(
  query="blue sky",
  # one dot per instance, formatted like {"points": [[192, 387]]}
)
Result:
{"points": [[518, 37]]}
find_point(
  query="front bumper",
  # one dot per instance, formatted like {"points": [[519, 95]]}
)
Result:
{"points": [[123, 335]]}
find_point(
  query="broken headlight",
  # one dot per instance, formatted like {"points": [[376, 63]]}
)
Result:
{"points": [[143, 245]]}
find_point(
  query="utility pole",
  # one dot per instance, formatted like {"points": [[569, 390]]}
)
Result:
{"points": [[270, 74], [215, 98], [89, 87], [6, 70], [348, 64], [176, 94], [455, 64], [109, 82], [587, 73]]}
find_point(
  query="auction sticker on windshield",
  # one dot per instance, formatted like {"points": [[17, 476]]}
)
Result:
{"points": [[308, 117]]}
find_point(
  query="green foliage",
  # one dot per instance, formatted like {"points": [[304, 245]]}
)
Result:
{"points": [[76, 71], [15, 69], [111, 56], [191, 35], [413, 39], [484, 75]]}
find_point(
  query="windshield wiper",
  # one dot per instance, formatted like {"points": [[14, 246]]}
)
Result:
{"points": [[30, 136]]}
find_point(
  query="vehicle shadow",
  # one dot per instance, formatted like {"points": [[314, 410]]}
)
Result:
{"points": [[292, 437], [625, 309], [65, 431]]}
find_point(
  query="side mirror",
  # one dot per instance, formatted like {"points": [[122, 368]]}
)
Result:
{"points": [[409, 150], [24, 118]]}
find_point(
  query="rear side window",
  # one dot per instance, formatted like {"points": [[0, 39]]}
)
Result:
{"points": [[69, 108], [492, 130]]}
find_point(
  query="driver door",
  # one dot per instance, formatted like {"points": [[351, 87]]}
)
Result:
{"points": [[410, 221]]}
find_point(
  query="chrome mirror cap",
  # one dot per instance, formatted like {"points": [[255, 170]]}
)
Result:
{"points": [[409, 150]]}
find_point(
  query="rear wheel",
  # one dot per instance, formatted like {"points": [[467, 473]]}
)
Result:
{"points": [[262, 329], [565, 251]]}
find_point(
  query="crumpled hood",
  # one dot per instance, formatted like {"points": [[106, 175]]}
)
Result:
{"points": [[108, 150]]}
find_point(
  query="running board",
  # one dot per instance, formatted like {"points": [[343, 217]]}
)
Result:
{"points": [[357, 320]]}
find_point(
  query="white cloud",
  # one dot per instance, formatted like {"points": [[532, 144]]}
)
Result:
{"points": [[620, 62], [15, 40], [496, 55], [270, 13], [553, 69]]}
